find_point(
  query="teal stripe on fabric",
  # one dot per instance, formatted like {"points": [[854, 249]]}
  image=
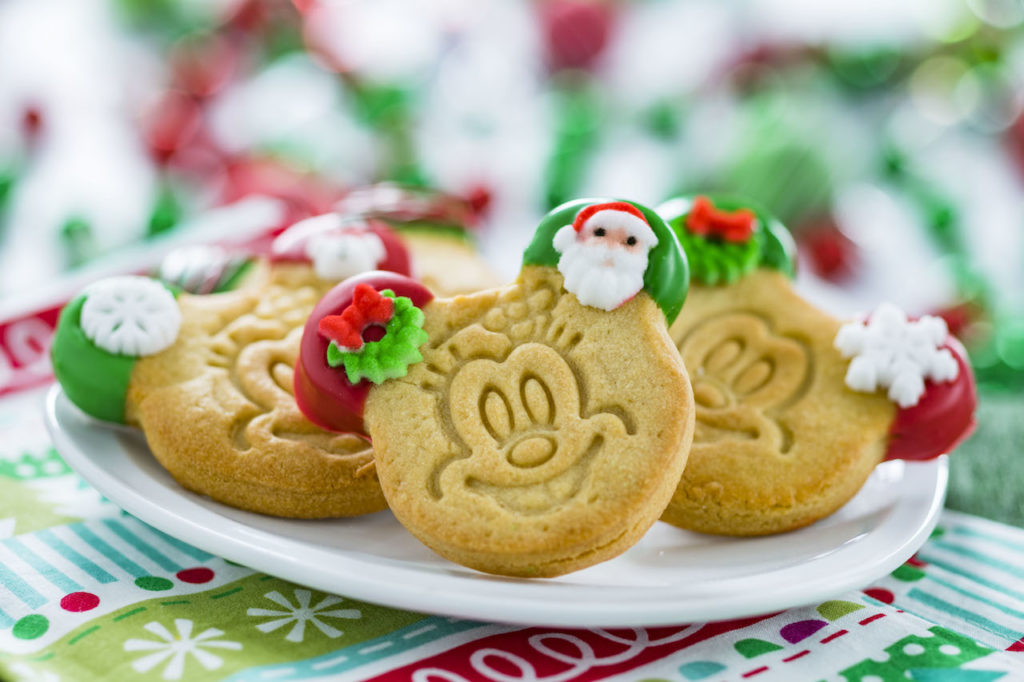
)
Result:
{"points": [[995, 539], [20, 589], [977, 597], [5, 620], [1014, 570], [55, 543], [101, 546], [183, 547], [970, 617], [970, 575], [51, 573], [351, 657], [138, 543]]}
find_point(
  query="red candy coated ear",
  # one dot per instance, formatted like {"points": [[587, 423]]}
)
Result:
{"points": [[942, 418], [323, 393]]}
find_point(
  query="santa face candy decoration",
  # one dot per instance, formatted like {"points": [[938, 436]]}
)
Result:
{"points": [[604, 254], [519, 430], [209, 378], [787, 428]]}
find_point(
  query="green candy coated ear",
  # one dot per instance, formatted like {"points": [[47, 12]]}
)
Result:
{"points": [[667, 278], [93, 379], [722, 263]]}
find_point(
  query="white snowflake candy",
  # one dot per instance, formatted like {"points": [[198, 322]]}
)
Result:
{"points": [[890, 351], [130, 315]]}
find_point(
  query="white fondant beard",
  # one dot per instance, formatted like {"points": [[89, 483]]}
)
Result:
{"points": [[338, 256], [597, 284]]}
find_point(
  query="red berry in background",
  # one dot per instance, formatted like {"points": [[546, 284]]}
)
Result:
{"points": [[480, 198], [830, 253], [575, 32], [202, 65], [304, 193], [960, 317], [1015, 142], [173, 122], [33, 123]]}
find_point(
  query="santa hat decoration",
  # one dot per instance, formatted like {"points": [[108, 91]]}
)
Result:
{"points": [[615, 215]]}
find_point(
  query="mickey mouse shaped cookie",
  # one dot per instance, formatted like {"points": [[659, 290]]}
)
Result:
{"points": [[787, 429], [208, 378], [529, 430]]}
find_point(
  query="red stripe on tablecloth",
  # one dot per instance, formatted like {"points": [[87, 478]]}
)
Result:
{"points": [[25, 350], [459, 662]]}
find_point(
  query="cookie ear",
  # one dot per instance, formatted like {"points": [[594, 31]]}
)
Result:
{"points": [[923, 369], [727, 237], [339, 360], [666, 277], [101, 334], [339, 246]]}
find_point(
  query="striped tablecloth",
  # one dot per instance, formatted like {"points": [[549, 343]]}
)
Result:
{"points": [[88, 593]]}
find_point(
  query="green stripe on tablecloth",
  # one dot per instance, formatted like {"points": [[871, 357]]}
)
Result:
{"points": [[48, 571], [995, 539], [970, 617], [977, 597], [970, 575], [135, 541], [95, 572], [21, 589], [183, 547], [100, 545], [981, 557], [348, 658]]}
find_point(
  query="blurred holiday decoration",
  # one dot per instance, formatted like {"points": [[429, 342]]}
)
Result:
{"points": [[888, 136]]}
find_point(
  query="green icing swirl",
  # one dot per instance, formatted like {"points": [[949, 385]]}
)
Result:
{"points": [[389, 357], [714, 261], [93, 379], [667, 277]]}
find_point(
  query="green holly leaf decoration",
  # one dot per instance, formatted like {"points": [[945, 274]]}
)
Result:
{"points": [[389, 357]]}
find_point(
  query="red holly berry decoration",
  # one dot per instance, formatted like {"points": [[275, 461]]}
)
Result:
{"points": [[707, 221], [368, 308]]}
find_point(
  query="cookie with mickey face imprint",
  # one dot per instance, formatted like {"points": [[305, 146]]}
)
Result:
{"points": [[533, 429], [208, 378], [787, 429]]}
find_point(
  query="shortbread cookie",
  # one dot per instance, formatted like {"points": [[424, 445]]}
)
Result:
{"points": [[209, 378], [781, 440], [548, 421], [437, 228]]}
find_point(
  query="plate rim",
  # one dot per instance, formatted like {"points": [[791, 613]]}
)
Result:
{"points": [[390, 585]]}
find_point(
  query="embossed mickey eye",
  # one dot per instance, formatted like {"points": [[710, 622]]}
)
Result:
{"points": [[600, 232]]}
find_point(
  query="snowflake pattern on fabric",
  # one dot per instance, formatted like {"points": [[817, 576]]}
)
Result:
{"points": [[301, 613], [890, 351], [176, 648], [27, 673]]}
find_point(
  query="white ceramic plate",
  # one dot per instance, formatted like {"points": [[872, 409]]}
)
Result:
{"points": [[671, 576]]}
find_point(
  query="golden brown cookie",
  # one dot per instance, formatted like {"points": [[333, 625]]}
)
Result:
{"points": [[534, 434], [215, 403], [782, 439], [215, 398]]}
